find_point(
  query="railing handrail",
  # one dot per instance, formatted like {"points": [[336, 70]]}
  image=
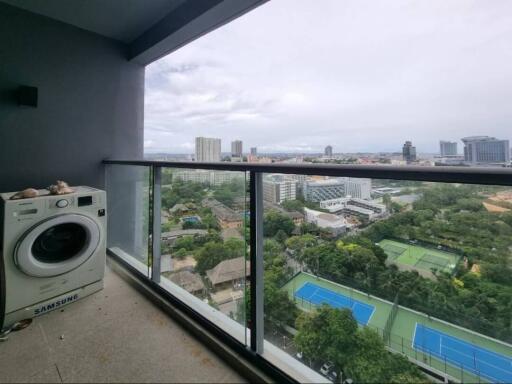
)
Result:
{"points": [[446, 174]]}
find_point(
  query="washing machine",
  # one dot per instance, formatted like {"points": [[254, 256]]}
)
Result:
{"points": [[52, 251]]}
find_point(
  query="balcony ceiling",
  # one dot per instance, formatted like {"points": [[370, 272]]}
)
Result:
{"points": [[122, 20]]}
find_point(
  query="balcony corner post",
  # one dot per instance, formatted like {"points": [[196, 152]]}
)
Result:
{"points": [[157, 223], [256, 259]]}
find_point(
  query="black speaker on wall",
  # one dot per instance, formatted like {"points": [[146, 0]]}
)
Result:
{"points": [[27, 96]]}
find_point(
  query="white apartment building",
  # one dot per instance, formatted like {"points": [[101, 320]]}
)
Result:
{"points": [[203, 176], [334, 224], [486, 150], [208, 149], [278, 188], [354, 206]]}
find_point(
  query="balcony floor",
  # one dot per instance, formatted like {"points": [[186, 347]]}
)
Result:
{"points": [[115, 335]]}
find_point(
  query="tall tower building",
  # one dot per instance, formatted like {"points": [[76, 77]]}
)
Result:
{"points": [[486, 150], [447, 148], [328, 151], [207, 149], [254, 151], [409, 152], [236, 148]]}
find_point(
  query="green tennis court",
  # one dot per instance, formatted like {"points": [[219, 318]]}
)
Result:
{"points": [[418, 257]]}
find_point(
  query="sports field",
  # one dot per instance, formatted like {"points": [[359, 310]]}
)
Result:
{"points": [[417, 257], [318, 296], [433, 347], [481, 361]]}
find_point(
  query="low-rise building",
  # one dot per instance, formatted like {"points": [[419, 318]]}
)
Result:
{"points": [[336, 225], [189, 281], [354, 206], [225, 216], [229, 273], [170, 237]]}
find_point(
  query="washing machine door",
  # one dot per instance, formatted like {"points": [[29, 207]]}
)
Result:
{"points": [[57, 245]]}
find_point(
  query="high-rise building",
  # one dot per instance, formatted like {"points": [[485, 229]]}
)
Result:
{"points": [[207, 149], [278, 188], [236, 148], [486, 150], [409, 152], [448, 148], [328, 151], [254, 151]]}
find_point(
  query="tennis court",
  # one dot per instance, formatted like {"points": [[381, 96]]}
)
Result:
{"points": [[481, 361], [393, 250], [317, 295], [418, 257]]}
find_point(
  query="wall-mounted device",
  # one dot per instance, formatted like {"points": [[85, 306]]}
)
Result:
{"points": [[27, 95]]}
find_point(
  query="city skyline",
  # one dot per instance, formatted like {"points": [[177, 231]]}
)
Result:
{"points": [[363, 78]]}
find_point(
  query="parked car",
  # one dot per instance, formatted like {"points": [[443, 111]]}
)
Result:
{"points": [[326, 368], [332, 375]]}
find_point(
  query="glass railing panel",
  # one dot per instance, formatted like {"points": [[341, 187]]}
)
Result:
{"points": [[356, 268], [204, 242], [128, 194]]}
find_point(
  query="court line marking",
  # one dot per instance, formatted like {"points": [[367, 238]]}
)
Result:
{"points": [[325, 299], [454, 362]]}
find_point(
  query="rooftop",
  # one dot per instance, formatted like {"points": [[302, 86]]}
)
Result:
{"points": [[229, 270], [187, 280]]}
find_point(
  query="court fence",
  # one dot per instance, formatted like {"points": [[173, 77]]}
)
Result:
{"points": [[390, 320], [424, 358], [474, 323]]}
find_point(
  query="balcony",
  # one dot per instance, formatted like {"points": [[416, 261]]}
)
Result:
{"points": [[205, 220], [212, 274]]}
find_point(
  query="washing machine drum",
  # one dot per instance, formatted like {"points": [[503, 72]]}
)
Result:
{"points": [[57, 245]]}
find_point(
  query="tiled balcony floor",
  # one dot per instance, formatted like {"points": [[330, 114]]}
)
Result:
{"points": [[115, 335]]}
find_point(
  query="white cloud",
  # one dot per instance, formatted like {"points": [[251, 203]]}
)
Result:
{"points": [[359, 75]]}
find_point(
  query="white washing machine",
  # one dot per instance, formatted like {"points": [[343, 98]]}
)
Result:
{"points": [[52, 251]]}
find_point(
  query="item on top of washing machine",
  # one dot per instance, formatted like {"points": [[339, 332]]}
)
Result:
{"points": [[25, 194], [61, 188]]}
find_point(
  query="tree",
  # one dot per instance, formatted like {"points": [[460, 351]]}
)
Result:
{"points": [[281, 237], [293, 205], [212, 253], [331, 334], [275, 221], [328, 334]]}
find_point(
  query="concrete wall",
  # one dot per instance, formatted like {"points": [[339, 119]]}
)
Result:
{"points": [[91, 103]]}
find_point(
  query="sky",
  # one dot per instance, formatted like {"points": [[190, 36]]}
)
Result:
{"points": [[362, 76]]}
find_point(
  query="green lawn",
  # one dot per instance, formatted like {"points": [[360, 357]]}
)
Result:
{"points": [[402, 331], [417, 257]]}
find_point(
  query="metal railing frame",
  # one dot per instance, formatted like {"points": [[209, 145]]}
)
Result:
{"points": [[465, 175]]}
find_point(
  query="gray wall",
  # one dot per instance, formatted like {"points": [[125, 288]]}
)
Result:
{"points": [[91, 103]]}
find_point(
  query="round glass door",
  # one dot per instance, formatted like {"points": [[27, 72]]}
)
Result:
{"points": [[57, 245]]}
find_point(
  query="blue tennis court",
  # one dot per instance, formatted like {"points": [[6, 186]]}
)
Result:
{"points": [[318, 295], [480, 361]]}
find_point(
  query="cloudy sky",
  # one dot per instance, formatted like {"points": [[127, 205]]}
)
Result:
{"points": [[360, 75]]}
